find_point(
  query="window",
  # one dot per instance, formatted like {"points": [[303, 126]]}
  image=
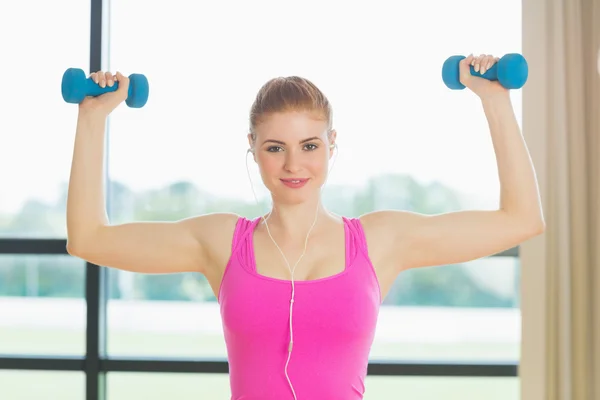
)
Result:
{"points": [[447, 388], [405, 142], [38, 128], [27, 385], [42, 306], [152, 386]]}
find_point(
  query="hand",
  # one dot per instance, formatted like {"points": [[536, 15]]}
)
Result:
{"points": [[104, 104], [483, 88]]}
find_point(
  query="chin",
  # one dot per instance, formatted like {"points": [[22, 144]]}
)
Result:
{"points": [[286, 195], [290, 201]]}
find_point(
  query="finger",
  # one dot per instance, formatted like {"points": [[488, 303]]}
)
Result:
{"points": [[477, 64], [483, 64], [109, 79], [465, 69], [123, 83], [491, 61], [94, 77], [100, 79], [496, 59], [466, 64]]}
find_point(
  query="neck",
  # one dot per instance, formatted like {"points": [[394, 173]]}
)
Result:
{"points": [[293, 221]]}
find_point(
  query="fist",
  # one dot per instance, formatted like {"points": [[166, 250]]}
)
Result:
{"points": [[105, 103], [481, 87]]}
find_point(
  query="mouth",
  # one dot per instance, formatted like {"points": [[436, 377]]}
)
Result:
{"points": [[294, 182]]}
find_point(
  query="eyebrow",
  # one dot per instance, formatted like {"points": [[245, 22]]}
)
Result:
{"points": [[302, 141]]}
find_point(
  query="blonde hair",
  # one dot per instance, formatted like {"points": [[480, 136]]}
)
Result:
{"points": [[291, 93]]}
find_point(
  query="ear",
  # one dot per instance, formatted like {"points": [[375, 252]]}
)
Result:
{"points": [[332, 136], [251, 146]]}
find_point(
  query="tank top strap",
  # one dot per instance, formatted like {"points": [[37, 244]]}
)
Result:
{"points": [[355, 241], [243, 228], [240, 249]]}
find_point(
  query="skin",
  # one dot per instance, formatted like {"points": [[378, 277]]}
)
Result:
{"points": [[294, 145], [397, 240]]}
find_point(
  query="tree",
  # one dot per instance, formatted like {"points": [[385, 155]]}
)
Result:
{"points": [[436, 286]]}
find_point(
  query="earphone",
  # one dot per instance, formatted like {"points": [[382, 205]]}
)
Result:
{"points": [[291, 343]]}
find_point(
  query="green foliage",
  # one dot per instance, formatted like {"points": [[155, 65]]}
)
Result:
{"points": [[63, 276]]}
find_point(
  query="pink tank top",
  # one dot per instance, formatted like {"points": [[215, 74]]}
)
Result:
{"points": [[334, 320]]}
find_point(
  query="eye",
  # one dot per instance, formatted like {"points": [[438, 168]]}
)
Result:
{"points": [[274, 149], [311, 146]]}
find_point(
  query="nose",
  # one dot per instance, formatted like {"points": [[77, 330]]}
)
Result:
{"points": [[292, 162]]}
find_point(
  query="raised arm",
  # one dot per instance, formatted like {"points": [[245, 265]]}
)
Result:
{"points": [[409, 240], [148, 247]]}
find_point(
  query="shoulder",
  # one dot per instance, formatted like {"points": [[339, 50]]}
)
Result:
{"points": [[214, 233], [213, 223], [388, 222], [386, 230]]}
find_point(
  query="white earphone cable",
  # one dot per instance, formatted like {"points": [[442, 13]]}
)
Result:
{"points": [[291, 344]]}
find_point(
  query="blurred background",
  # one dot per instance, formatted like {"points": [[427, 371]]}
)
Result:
{"points": [[405, 142]]}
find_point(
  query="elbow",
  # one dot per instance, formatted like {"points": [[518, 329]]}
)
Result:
{"points": [[74, 248], [535, 228], [539, 228], [81, 242], [527, 224], [79, 247]]}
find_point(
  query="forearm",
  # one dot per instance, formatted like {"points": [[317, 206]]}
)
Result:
{"points": [[519, 192], [86, 209]]}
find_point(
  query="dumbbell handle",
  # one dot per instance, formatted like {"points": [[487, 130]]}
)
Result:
{"points": [[491, 74], [94, 89]]}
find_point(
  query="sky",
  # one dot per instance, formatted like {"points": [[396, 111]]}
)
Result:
{"points": [[380, 66]]}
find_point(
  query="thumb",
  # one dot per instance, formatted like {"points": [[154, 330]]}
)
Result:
{"points": [[465, 70], [123, 89]]}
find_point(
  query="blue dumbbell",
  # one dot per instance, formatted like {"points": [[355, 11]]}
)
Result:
{"points": [[510, 71], [76, 87]]}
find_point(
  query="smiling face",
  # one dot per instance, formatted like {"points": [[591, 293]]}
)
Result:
{"points": [[292, 150]]}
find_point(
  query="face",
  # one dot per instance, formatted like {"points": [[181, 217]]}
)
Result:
{"points": [[292, 151]]}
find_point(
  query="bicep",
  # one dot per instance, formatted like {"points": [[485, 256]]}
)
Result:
{"points": [[156, 247], [459, 237], [418, 240]]}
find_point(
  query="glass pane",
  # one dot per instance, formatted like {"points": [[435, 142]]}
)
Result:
{"points": [[42, 305], [422, 147], [457, 312], [159, 386], [163, 315], [150, 386], [446, 388], [30, 385], [38, 129]]}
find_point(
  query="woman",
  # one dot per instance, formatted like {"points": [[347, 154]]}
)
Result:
{"points": [[342, 267]]}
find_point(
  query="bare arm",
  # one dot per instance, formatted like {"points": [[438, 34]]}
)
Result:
{"points": [[410, 240], [189, 245], [149, 247], [414, 240]]}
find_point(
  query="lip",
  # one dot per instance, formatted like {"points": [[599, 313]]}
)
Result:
{"points": [[294, 183], [294, 179]]}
